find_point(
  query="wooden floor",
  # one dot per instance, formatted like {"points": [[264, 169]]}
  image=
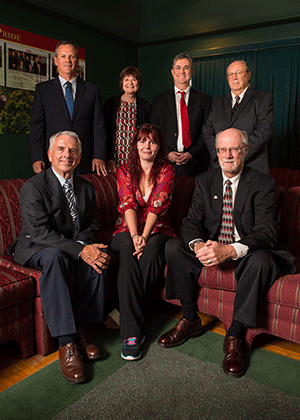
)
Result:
{"points": [[13, 368]]}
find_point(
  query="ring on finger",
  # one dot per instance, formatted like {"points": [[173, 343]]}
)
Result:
{"points": [[208, 261]]}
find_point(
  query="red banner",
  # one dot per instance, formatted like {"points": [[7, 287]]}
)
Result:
{"points": [[27, 38]]}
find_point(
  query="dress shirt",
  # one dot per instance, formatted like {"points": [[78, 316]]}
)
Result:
{"points": [[180, 147], [73, 82], [233, 97]]}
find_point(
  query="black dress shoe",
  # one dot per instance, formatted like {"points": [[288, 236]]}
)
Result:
{"points": [[233, 363], [72, 364], [182, 331], [87, 348]]}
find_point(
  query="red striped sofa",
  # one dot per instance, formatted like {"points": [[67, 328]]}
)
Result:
{"points": [[21, 313]]}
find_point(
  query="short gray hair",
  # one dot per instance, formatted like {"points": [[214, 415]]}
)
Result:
{"points": [[64, 133], [66, 43], [181, 56], [243, 135]]}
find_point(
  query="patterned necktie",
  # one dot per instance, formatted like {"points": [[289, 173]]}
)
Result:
{"points": [[71, 201], [69, 98], [185, 124], [226, 230], [237, 101]]}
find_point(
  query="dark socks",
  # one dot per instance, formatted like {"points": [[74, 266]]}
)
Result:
{"points": [[235, 329], [189, 311], [66, 339]]}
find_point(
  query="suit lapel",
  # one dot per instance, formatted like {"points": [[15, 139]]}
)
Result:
{"points": [[61, 102], [55, 187], [172, 105], [246, 99], [241, 195], [216, 191], [80, 198], [192, 101], [80, 89]]}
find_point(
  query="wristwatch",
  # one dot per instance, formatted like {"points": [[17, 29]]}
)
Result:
{"points": [[194, 243]]}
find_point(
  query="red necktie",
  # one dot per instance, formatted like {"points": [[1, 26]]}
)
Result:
{"points": [[185, 124], [226, 230]]}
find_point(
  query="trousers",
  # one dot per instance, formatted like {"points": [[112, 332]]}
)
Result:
{"points": [[68, 305]]}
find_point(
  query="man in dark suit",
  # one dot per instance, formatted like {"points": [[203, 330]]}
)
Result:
{"points": [[51, 113], [185, 147], [246, 109], [59, 228], [227, 222]]}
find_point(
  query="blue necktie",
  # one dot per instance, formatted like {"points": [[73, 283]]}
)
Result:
{"points": [[69, 98], [71, 201]]}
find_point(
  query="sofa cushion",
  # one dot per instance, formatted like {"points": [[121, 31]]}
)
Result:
{"points": [[9, 263], [15, 287]]}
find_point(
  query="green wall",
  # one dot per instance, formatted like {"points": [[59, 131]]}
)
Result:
{"points": [[106, 56], [155, 61]]}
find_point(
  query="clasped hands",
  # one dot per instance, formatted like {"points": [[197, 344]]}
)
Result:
{"points": [[212, 253], [139, 243], [180, 158], [95, 257]]}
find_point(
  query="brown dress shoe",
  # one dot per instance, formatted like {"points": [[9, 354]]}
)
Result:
{"points": [[181, 332], [233, 363], [72, 364], [87, 349]]}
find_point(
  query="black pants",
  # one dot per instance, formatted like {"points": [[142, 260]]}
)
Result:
{"points": [[135, 278], [65, 313], [255, 273]]}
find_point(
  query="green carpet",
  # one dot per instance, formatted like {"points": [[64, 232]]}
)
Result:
{"points": [[168, 385], [45, 394]]}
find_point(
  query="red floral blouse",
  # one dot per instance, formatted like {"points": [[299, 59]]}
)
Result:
{"points": [[158, 201]]}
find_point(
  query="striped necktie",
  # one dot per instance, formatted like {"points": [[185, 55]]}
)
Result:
{"points": [[226, 230], [234, 108], [69, 98], [71, 202]]}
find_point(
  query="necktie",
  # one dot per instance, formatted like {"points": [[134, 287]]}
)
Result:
{"points": [[226, 230], [69, 98], [71, 202], [237, 101], [185, 124]]}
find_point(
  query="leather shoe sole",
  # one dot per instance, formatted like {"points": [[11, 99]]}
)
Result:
{"points": [[180, 333], [233, 363]]}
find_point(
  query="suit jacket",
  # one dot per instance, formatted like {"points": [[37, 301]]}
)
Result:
{"points": [[253, 115], [46, 219], [111, 107], [164, 115], [50, 115], [253, 213]]}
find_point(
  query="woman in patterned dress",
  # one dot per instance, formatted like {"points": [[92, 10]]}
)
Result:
{"points": [[123, 114], [145, 186]]}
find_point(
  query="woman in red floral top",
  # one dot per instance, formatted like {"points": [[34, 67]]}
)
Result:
{"points": [[145, 187]]}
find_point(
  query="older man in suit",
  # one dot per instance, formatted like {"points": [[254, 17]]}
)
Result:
{"points": [[59, 228], [231, 218], [246, 109], [180, 113], [68, 103]]}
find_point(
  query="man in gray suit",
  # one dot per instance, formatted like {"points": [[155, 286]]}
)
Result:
{"points": [[245, 109], [59, 228]]}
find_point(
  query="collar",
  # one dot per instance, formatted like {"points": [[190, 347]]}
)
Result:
{"points": [[241, 95], [187, 90], [233, 180], [63, 81], [61, 179]]}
